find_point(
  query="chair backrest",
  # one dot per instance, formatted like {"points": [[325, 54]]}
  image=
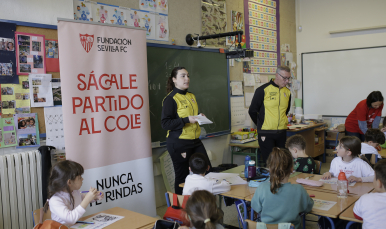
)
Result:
{"points": [[252, 225], [36, 215], [169, 199], [318, 166]]}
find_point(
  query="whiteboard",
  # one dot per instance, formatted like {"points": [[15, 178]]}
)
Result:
{"points": [[334, 82]]}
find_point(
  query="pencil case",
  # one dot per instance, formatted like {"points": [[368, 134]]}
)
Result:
{"points": [[310, 182]]}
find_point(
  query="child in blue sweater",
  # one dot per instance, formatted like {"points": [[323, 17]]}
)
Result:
{"points": [[279, 201]]}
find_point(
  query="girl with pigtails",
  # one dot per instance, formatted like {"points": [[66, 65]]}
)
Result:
{"points": [[279, 201]]}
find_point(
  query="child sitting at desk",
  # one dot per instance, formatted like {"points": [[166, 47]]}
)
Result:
{"points": [[279, 201], [373, 137], [347, 161], [198, 164], [371, 207], [297, 146]]}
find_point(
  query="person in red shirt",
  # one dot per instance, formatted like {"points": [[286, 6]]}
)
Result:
{"points": [[367, 114]]}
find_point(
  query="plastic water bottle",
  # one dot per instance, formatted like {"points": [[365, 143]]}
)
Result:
{"points": [[251, 169], [342, 185], [246, 163]]}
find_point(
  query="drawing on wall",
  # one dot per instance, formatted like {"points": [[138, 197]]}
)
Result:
{"points": [[213, 17]]}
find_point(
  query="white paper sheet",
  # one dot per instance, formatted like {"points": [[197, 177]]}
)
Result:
{"points": [[237, 88], [100, 220], [162, 27], [334, 180], [264, 79], [231, 178], [53, 117], [41, 90], [237, 111], [202, 120], [249, 79], [248, 99], [323, 205]]}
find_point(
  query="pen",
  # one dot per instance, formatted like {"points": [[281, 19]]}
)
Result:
{"points": [[100, 193], [85, 222]]}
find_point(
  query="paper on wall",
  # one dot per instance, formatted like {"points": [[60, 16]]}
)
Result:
{"points": [[148, 5], [41, 90], [248, 99], [162, 27], [237, 88], [83, 10], [257, 78], [147, 21], [264, 79], [162, 6], [237, 111], [248, 121], [53, 117], [249, 79]]}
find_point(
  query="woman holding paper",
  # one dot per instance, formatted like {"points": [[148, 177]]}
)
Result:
{"points": [[367, 114], [178, 110]]}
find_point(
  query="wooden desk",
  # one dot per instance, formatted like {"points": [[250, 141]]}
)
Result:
{"points": [[132, 220], [309, 132], [382, 153], [358, 189], [348, 215], [239, 191], [253, 146], [341, 203]]}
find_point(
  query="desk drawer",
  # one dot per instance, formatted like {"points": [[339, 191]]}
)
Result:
{"points": [[318, 150]]}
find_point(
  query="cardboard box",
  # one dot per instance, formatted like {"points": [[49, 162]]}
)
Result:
{"points": [[332, 135]]}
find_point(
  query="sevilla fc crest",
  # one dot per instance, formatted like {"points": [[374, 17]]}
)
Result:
{"points": [[87, 41]]}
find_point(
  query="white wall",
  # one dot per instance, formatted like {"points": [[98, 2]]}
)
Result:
{"points": [[318, 18], [36, 11]]}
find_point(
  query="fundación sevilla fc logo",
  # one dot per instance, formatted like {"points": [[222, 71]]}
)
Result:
{"points": [[87, 41]]}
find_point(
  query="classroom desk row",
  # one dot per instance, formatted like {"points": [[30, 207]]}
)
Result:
{"points": [[342, 209]]}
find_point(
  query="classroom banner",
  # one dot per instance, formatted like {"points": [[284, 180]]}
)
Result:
{"points": [[106, 119]]}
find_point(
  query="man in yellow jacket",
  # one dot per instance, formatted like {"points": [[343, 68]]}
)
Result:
{"points": [[269, 109]]}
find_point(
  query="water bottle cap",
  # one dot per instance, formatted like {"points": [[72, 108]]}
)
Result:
{"points": [[247, 157], [342, 176]]}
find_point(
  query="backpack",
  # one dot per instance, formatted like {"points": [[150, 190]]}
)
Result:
{"points": [[175, 213], [48, 223]]}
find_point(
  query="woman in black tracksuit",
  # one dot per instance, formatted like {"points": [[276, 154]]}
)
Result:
{"points": [[178, 109]]}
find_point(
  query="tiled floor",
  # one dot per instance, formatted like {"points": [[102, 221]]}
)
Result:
{"points": [[230, 213]]}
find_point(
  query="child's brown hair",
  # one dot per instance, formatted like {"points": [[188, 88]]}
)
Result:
{"points": [[375, 135], [280, 164], [202, 210], [352, 144], [297, 141], [380, 172], [60, 174]]}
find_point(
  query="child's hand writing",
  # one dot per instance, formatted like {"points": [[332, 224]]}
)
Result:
{"points": [[92, 194], [100, 196], [326, 176], [354, 179]]}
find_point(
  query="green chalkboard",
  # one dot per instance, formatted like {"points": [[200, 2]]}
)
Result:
{"points": [[208, 82]]}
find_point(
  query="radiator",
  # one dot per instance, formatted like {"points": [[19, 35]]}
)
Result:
{"points": [[20, 193]]}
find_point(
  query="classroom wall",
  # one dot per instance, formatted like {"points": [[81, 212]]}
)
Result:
{"points": [[317, 18], [184, 18]]}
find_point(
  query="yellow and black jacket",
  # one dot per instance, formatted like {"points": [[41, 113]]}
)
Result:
{"points": [[269, 108], [177, 106]]}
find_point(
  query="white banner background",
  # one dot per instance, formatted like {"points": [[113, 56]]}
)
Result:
{"points": [[106, 112]]}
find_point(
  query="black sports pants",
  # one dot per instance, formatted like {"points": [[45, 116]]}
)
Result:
{"points": [[268, 141], [180, 151]]}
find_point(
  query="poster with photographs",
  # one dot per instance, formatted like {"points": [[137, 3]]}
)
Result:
{"points": [[41, 90], [7, 132], [30, 53], [83, 10], [214, 21], [15, 98], [27, 130], [7, 54], [162, 6], [162, 27], [52, 55], [56, 91]]}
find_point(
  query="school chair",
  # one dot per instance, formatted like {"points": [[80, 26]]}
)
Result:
{"points": [[39, 216], [318, 166], [249, 224], [169, 199]]}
